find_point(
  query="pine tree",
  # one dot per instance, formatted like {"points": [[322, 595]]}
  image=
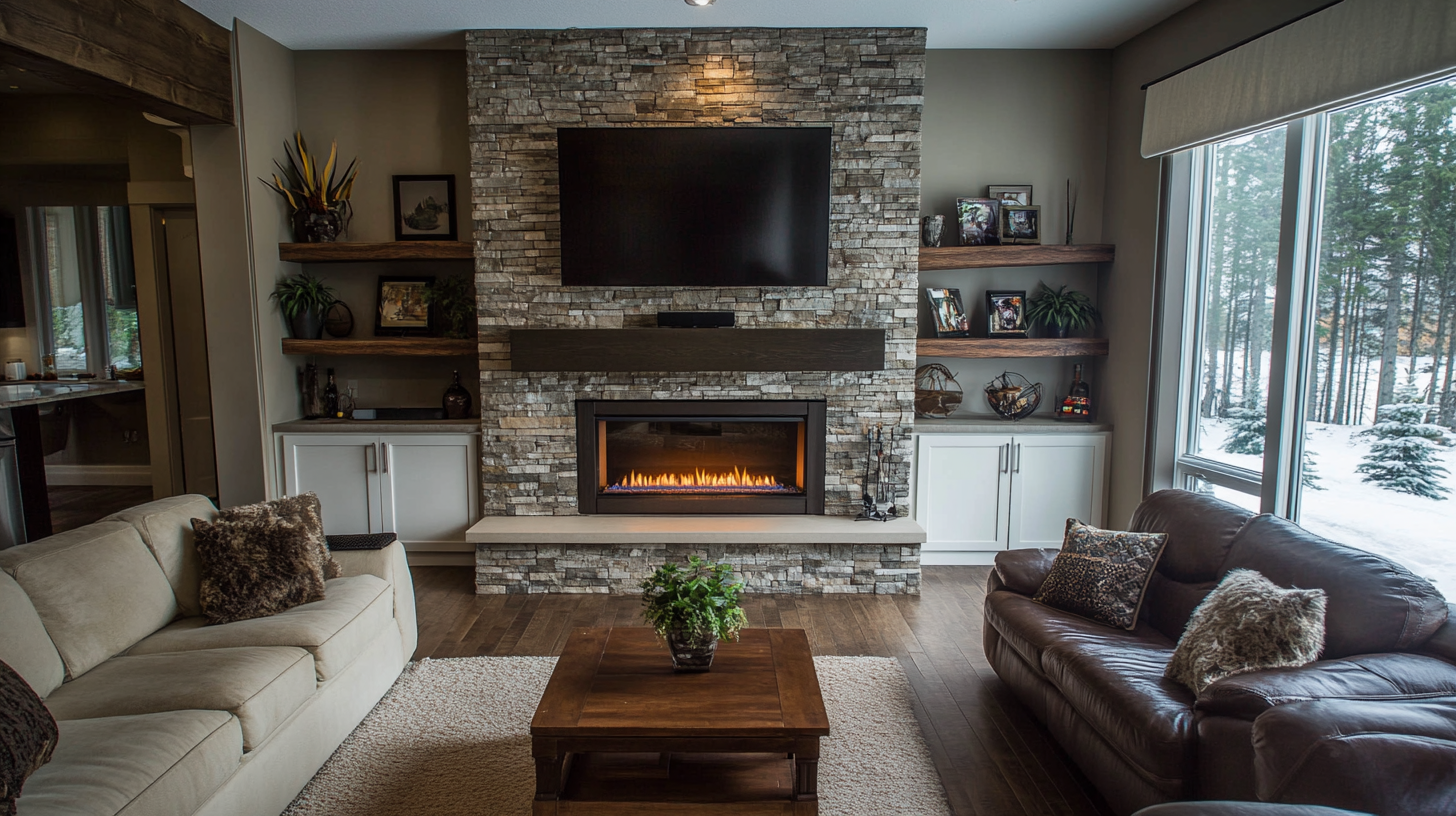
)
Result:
{"points": [[1246, 431], [1402, 458], [1308, 473]]}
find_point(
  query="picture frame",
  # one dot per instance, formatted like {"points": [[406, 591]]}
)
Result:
{"points": [[400, 307], [424, 208], [979, 220], [1017, 194], [1021, 224], [949, 314], [1005, 313]]}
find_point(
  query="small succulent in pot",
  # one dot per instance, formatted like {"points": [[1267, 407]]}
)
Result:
{"points": [[304, 300], [1060, 311], [692, 607]]}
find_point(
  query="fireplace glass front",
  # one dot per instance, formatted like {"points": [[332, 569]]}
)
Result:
{"points": [[701, 456]]}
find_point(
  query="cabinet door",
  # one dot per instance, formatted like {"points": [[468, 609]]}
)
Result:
{"points": [[430, 487], [342, 469], [1055, 477], [961, 491]]}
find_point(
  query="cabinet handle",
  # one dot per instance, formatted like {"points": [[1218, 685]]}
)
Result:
{"points": [[369, 458], [1016, 459], [1002, 455], [384, 455]]}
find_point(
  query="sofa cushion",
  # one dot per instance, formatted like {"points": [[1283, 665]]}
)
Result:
{"points": [[24, 644], [1031, 628], [261, 686], [1116, 684], [164, 764], [1391, 676], [1374, 604], [255, 567], [166, 528], [1200, 530], [1245, 625], [1102, 574], [97, 589], [335, 630]]}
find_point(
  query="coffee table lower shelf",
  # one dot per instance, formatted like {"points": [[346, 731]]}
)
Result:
{"points": [[679, 783]]}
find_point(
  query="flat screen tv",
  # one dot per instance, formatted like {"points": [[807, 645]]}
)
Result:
{"points": [[718, 206]]}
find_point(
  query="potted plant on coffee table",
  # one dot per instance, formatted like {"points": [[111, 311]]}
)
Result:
{"points": [[692, 607], [1060, 311], [304, 300]]}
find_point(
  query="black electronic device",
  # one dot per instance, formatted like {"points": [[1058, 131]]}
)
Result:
{"points": [[695, 320], [719, 206]]}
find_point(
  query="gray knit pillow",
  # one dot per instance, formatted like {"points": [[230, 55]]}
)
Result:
{"points": [[1248, 623]]}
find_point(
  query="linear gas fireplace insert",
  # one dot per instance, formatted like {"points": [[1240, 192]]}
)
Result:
{"points": [[700, 456]]}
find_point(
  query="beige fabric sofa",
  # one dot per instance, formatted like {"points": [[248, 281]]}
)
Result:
{"points": [[161, 715]]}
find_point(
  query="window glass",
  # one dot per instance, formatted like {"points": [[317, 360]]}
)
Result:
{"points": [[89, 286], [1239, 261], [113, 235], [63, 281], [1379, 468]]}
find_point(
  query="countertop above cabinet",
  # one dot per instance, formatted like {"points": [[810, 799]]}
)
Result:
{"points": [[985, 424], [380, 426]]}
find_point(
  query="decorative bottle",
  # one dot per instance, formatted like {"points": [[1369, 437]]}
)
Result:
{"points": [[331, 397], [313, 406], [1077, 404], [457, 400]]}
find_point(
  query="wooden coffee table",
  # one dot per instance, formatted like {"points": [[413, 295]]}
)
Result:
{"points": [[618, 731]]}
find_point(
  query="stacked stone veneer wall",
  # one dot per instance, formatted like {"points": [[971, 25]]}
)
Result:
{"points": [[865, 84]]}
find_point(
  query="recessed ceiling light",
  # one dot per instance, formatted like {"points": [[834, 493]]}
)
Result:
{"points": [[699, 2]]}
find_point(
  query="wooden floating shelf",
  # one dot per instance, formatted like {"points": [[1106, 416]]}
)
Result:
{"points": [[697, 350], [384, 347], [347, 251], [982, 257], [1011, 347]]}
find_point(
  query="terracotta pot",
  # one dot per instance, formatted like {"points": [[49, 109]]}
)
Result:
{"points": [[690, 654]]}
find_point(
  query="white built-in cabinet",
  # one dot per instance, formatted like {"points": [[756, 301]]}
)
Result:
{"points": [[423, 487], [979, 493]]}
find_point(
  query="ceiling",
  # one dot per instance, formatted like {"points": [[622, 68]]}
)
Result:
{"points": [[379, 24]]}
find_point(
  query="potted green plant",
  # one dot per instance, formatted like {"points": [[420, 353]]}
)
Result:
{"points": [[304, 300], [454, 301], [691, 608], [319, 205], [1061, 311]]}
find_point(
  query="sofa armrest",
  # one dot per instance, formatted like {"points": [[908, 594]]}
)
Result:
{"points": [[388, 563], [1388, 757], [1443, 643], [1022, 571], [1392, 676]]}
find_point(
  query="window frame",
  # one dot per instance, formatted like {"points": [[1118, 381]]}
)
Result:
{"points": [[89, 252]]}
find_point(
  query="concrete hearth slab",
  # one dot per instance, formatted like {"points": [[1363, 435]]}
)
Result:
{"points": [[638, 530]]}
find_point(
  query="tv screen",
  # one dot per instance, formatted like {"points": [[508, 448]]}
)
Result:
{"points": [[718, 206]]}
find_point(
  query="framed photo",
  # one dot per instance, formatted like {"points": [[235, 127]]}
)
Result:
{"points": [[402, 309], [1019, 194], [1020, 225], [978, 221], [950, 315], [424, 208], [1006, 313]]}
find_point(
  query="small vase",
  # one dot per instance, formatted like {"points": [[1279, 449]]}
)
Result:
{"points": [[306, 325], [690, 654], [312, 227], [932, 229], [457, 400]]}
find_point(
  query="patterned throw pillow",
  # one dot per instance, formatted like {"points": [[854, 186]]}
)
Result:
{"points": [[303, 509], [1248, 623], [28, 736], [255, 567], [1102, 574]]}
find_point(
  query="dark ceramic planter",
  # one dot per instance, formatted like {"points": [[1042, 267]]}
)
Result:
{"points": [[306, 325], [690, 655], [317, 227], [1059, 332]]}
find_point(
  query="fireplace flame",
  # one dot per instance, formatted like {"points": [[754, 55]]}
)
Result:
{"points": [[698, 478]]}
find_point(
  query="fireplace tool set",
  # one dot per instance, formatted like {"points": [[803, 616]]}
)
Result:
{"points": [[879, 505]]}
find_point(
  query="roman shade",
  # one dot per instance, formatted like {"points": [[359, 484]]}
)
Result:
{"points": [[1350, 52]]}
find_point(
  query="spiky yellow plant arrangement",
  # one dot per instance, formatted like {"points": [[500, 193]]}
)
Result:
{"points": [[320, 204]]}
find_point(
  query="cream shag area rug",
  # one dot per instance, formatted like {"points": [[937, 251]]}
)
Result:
{"points": [[452, 737]]}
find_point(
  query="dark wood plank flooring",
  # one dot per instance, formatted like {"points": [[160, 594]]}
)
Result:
{"points": [[993, 757], [75, 506]]}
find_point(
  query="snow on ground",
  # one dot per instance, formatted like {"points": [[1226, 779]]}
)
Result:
{"points": [[1417, 532]]}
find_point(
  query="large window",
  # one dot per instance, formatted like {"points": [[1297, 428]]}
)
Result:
{"points": [[86, 287], [1319, 330]]}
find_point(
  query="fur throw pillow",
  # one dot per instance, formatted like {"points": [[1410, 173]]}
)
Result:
{"points": [[28, 736], [1248, 623], [255, 567], [1102, 574], [304, 510]]}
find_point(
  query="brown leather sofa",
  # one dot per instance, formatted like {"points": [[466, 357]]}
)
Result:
{"points": [[1371, 726]]}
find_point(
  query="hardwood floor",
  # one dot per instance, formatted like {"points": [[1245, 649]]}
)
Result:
{"points": [[76, 506], [993, 757]]}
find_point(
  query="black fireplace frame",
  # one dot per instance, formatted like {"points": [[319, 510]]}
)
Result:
{"points": [[810, 502]]}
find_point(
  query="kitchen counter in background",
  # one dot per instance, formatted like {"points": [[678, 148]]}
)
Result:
{"points": [[380, 426], [16, 394]]}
